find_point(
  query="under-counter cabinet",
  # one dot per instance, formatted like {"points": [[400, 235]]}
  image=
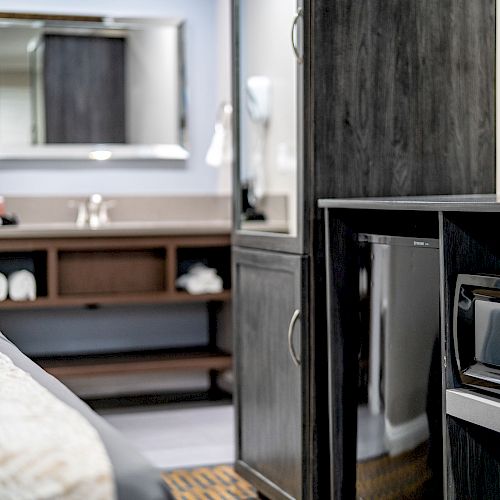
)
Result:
{"points": [[89, 272], [271, 308]]}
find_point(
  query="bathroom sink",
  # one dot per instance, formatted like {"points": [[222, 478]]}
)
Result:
{"points": [[128, 216]]}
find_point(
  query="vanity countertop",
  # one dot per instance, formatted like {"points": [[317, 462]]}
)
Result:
{"points": [[130, 216], [116, 229], [444, 203]]}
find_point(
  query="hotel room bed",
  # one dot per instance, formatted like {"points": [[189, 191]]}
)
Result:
{"points": [[135, 478]]}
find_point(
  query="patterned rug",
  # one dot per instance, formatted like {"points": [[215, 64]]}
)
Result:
{"points": [[405, 477], [208, 483]]}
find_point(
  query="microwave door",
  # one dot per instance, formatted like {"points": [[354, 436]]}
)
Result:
{"points": [[487, 328]]}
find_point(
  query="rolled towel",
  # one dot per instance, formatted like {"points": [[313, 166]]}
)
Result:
{"points": [[22, 286], [4, 287]]}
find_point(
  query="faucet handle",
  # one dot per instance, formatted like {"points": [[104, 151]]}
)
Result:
{"points": [[82, 214], [103, 210]]}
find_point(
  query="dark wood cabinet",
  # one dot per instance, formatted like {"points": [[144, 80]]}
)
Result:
{"points": [[462, 408], [270, 307], [392, 100]]}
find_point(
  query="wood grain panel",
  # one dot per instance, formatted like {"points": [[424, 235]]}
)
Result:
{"points": [[404, 97], [473, 460], [111, 271]]}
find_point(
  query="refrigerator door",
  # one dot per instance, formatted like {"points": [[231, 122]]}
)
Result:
{"points": [[399, 452]]}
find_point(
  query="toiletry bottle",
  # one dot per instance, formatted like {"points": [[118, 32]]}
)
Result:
{"points": [[5, 218]]}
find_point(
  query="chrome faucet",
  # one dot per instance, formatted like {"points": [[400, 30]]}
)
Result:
{"points": [[93, 212]]}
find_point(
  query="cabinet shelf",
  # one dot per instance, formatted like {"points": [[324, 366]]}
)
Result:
{"points": [[117, 299], [39, 303], [136, 362], [80, 272], [138, 270], [180, 296]]}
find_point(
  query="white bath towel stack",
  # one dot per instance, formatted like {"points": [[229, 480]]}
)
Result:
{"points": [[22, 285], [4, 287]]}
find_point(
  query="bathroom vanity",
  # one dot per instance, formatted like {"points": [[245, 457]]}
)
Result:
{"points": [[122, 263], [434, 404]]}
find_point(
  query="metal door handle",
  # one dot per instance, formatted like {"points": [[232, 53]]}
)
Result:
{"points": [[298, 15], [291, 326]]}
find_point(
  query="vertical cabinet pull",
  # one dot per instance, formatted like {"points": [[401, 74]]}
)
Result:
{"points": [[291, 326], [296, 18]]}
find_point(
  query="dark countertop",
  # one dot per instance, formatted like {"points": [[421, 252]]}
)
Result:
{"points": [[449, 203]]}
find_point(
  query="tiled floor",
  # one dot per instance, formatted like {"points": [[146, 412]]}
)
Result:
{"points": [[179, 437]]}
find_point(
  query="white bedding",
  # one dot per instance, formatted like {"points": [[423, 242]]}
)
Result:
{"points": [[47, 449]]}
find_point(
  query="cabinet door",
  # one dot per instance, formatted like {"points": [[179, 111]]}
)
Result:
{"points": [[268, 91], [267, 293]]}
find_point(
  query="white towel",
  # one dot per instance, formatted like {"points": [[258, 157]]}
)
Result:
{"points": [[4, 287], [200, 279], [22, 285]]}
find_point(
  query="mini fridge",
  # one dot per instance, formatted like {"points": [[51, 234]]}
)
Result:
{"points": [[399, 437]]}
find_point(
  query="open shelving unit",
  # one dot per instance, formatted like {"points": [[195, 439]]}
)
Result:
{"points": [[73, 272], [127, 363]]}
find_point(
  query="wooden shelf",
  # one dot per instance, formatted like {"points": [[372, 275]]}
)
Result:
{"points": [[81, 272], [40, 302], [126, 270], [137, 362], [117, 299], [180, 296]]}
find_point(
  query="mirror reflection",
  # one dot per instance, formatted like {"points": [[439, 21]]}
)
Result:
{"points": [[109, 82], [268, 117]]}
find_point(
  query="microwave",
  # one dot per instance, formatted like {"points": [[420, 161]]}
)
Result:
{"points": [[476, 331]]}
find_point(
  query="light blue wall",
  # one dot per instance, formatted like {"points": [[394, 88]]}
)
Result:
{"points": [[45, 178]]}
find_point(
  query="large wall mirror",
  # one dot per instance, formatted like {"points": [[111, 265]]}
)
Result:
{"points": [[90, 87]]}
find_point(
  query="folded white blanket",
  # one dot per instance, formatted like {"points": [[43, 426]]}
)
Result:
{"points": [[47, 449], [22, 285]]}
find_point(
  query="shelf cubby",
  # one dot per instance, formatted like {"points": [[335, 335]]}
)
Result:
{"points": [[111, 271], [217, 257], [33, 261]]}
